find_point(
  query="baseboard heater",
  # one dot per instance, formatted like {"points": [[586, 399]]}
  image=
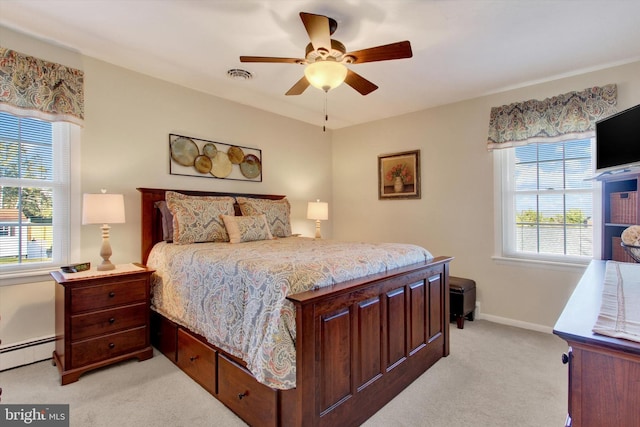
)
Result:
{"points": [[24, 353], [20, 346]]}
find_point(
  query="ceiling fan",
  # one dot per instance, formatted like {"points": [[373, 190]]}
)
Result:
{"points": [[325, 58]]}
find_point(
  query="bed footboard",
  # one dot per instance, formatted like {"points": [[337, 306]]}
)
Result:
{"points": [[359, 344]]}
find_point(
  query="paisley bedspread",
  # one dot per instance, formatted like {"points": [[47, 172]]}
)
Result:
{"points": [[235, 294]]}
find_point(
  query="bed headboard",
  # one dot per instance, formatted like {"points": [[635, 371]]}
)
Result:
{"points": [[152, 222]]}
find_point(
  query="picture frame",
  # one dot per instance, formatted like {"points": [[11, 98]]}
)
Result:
{"points": [[190, 156], [399, 175]]}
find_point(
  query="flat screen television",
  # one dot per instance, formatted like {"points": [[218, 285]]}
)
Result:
{"points": [[618, 141]]}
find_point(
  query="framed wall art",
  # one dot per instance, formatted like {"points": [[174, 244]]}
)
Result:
{"points": [[210, 159], [399, 175]]}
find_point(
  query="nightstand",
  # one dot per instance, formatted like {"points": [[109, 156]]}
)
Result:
{"points": [[102, 317]]}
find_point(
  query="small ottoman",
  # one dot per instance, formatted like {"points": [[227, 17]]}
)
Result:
{"points": [[462, 301]]}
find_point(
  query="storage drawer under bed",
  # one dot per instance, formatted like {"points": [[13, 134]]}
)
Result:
{"points": [[197, 360], [221, 375], [240, 391]]}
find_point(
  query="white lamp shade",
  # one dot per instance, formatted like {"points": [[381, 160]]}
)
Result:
{"points": [[325, 75], [318, 210], [102, 208]]}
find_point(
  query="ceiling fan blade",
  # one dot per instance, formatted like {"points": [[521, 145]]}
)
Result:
{"points": [[397, 50], [299, 87], [359, 83], [317, 27], [270, 59]]}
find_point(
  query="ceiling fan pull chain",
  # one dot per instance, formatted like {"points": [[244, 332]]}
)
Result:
{"points": [[326, 114]]}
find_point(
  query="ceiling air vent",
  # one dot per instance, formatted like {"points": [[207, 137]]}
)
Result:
{"points": [[239, 74]]}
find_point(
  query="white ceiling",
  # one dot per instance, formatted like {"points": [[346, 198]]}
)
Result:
{"points": [[461, 48]]}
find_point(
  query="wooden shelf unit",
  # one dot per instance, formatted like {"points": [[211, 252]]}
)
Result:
{"points": [[619, 183]]}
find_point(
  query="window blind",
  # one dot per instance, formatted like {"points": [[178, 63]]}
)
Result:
{"points": [[33, 192]]}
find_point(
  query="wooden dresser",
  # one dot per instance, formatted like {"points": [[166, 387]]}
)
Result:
{"points": [[100, 320], [604, 372]]}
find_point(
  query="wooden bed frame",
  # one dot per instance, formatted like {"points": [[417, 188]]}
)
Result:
{"points": [[358, 345]]}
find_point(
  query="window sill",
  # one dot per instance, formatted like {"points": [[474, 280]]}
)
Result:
{"points": [[538, 263], [24, 277]]}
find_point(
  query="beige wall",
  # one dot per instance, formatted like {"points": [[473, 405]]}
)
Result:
{"points": [[125, 140], [456, 215], [125, 145]]}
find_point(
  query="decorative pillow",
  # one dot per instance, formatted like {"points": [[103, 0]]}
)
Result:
{"points": [[197, 218], [167, 220], [278, 213], [247, 228]]}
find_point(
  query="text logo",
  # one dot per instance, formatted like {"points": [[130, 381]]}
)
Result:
{"points": [[34, 415]]}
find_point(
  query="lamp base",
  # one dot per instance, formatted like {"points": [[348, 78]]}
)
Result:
{"points": [[106, 266], [318, 234], [105, 250]]}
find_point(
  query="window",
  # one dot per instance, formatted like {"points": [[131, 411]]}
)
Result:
{"points": [[548, 200], [34, 193]]}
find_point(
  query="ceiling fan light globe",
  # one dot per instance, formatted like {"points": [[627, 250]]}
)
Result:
{"points": [[325, 75]]}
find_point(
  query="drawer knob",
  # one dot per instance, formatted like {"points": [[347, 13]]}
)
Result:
{"points": [[112, 320], [111, 345], [112, 294], [243, 395], [194, 358]]}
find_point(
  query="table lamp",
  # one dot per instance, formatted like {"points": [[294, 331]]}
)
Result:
{"points": [[319, 211], [105, 209]]}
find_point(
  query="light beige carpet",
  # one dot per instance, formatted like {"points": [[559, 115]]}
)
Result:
{"points": [[495, 376]]}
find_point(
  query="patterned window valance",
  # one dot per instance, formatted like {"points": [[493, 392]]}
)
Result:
{"points": [[569, 116], [32, 87]]}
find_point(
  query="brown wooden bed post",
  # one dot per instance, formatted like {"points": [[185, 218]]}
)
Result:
{"points": [[149, 221]]}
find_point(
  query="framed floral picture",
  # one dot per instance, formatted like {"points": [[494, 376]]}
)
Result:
{"points": [[399, 175]]}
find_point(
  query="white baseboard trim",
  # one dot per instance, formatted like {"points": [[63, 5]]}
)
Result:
{"points": [[510, 322], [26, 352], [516, 323]]}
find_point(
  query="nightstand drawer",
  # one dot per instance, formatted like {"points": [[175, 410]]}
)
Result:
{"points": [[108, 295], [108, 346], [108, 321]]}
